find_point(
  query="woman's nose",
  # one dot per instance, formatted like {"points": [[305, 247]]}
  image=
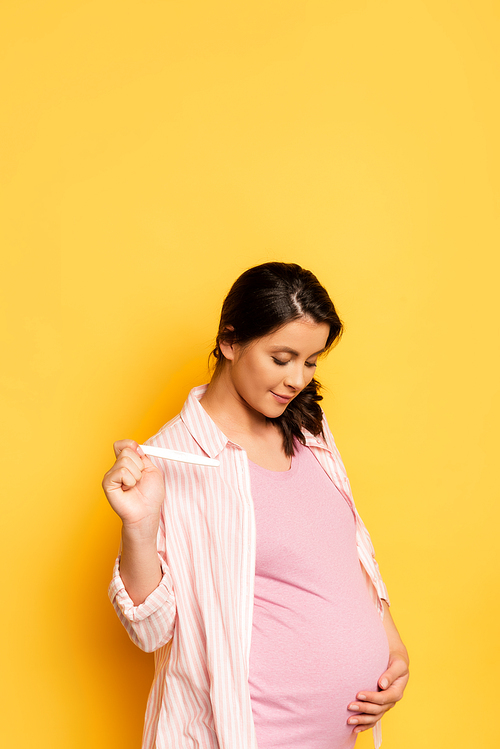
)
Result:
{"points": [[295, 378]]}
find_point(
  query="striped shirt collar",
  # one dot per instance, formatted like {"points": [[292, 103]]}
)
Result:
{"points": [[208, 435], [204, 430]]}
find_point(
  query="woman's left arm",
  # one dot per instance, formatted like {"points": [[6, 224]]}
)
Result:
{"points": [[371, 706]]}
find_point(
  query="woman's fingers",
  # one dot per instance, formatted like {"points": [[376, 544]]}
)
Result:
{"points": [[384, 697], [126, 471], [126, 475], [131, 460], [120, 445], [369, 710], [127, 447], [134, 486], [371, 706], [392, 684], [127, 451], [398, 668], [368, 714]]}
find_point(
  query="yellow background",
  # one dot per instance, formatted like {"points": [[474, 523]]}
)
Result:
{"points": [[150, 152]]}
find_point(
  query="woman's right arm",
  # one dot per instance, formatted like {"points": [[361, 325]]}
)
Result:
{"points": [[135, 490]]}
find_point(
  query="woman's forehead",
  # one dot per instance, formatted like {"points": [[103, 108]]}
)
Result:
{"points": [[296, 335]]}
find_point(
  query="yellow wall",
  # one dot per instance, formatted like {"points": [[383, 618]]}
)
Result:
{"points": [[151, 151]]}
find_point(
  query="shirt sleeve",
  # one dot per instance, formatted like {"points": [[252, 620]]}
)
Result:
{"points": [[370, 566], [150, 625], [366, 552]]}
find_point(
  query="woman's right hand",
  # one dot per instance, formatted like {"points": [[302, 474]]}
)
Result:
{"points": [[134, 487]]}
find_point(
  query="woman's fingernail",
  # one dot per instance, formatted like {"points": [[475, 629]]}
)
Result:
{"points": [[361, 697], [384, 683], [353, 707], [352, 721]]}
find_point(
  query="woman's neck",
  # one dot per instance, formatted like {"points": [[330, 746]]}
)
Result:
{"points": [[261, 439], [229, 411]]}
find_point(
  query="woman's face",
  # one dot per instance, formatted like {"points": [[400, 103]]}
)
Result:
{"points": [[266, 374]]}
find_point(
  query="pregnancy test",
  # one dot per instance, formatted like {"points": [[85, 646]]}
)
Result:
{"points": [[162, 452]]}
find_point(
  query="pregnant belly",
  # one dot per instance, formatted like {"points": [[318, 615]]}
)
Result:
{"points": [[306, 665]]}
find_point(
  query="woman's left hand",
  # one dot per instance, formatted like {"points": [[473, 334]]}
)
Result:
{"points": [[371, 706]]}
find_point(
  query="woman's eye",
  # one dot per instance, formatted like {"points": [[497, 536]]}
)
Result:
{"points": [[311, 364], [279, 362]]}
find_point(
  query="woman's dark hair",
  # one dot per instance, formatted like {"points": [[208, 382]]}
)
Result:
{"points": [[263, 299]]}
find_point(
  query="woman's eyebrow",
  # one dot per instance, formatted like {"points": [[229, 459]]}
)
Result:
{"points": [[287, 350]]}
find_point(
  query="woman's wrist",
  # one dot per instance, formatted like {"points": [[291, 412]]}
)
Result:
{"points": [[141, 532], [399, 653], [140, 567]]}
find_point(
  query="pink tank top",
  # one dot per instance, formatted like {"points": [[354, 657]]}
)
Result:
{"points": [[317, 638]]}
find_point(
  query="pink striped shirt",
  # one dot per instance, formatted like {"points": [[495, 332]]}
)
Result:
{"points": [[198, 621]]}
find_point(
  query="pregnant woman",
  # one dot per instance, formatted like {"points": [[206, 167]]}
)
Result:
{"points": [[255, 582]]}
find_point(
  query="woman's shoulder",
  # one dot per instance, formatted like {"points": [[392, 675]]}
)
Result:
{"points": [[176, 428], [169, 432], [174, 435], [186, 430], [322, 438]]}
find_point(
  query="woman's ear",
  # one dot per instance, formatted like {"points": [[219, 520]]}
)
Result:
{"points": [[227, 350], [226, 346]]}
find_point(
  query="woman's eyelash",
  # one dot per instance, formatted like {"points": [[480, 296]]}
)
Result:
{"points": [[282, 363]]}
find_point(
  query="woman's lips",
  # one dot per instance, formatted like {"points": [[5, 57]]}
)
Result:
{"points": [[282, 398]]}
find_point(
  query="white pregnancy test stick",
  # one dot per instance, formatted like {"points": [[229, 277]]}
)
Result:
{"points": [[162, 452]]}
